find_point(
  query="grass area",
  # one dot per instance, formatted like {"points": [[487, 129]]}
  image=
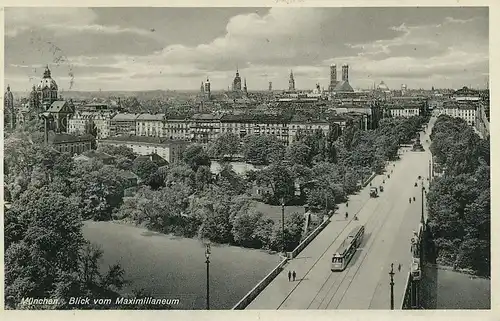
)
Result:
{"points": [[274, 212]]}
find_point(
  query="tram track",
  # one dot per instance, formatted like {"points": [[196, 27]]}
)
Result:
{"points": [[375, 235], [322, 254], [345, 272]]}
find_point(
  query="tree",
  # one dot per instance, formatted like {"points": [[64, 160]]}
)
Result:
{"points": [[213, 210], [195, 156], [299, 153], [262, 149], [146, 170], [99, 187], [248, 227], [203, 177], [279, 179], [226, 144], [181, 173], [45, 251]]}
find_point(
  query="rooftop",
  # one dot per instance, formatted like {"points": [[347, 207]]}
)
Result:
{"points": [[155, 117], [144, 139], [125, 117], [67, 138]]}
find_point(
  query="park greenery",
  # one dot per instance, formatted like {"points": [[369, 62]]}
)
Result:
{"points": [[459, 200], [51, 193]]}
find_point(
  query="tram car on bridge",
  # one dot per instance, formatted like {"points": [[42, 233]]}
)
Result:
{"points": [[347, 249]]}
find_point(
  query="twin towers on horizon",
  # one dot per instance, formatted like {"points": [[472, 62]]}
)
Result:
{"points": [[333, 78]]}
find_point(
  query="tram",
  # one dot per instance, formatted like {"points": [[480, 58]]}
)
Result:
{"points": [[347, 249]]}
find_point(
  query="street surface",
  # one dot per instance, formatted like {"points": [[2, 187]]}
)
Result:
{"points": [[389, 224]]}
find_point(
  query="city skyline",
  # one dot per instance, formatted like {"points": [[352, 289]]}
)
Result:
{"points": [[128, 49]]}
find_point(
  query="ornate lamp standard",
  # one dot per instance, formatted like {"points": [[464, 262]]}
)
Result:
{"points": [[207, 256]]}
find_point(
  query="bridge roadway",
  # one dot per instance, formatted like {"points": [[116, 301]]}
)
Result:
{"points": [[389, 223]]}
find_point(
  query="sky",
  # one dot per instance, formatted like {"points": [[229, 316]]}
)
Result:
{"points": [[128, 49]]}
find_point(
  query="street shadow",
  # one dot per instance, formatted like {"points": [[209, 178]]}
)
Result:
{"points": [[302, 257], [300, 280]]}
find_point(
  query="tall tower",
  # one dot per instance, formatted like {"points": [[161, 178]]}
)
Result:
{"points": [[47, 89], [270, 86], [345, 72], [208, 95], [245, 89], [237, 81], [202, 88], [291, 82], [333, 76], [9, 107]]}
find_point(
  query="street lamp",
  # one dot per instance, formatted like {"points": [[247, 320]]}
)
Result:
{"points": [[422, 214], [283, 225], [391, 274], [207, 256]]}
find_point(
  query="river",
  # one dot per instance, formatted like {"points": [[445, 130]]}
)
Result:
{"points": [[174, 267]]}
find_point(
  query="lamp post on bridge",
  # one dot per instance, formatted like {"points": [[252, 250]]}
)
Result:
{"points": [[207, 256], [391, 274]]}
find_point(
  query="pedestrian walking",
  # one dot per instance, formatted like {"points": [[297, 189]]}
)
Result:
{"points": [[289, 276], [294, 275], [399, 267], [346, 215]]}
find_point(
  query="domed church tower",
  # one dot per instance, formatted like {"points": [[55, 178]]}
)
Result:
{"points": [[47, 90]]}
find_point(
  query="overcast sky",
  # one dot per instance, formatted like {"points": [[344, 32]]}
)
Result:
{"points": [[177, 48]]}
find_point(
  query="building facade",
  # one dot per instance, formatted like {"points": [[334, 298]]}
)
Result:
{"points": [[73, 144], [149, 125], [123, 124], [204, 128], [403, 111], [464, 110], [177, 127], [169, 150]]}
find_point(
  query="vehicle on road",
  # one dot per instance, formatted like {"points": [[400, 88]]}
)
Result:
{"points": [[346, 250], [381, 188], [415, 184], [373, 192]]}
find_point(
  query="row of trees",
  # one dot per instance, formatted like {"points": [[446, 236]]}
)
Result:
{"points": [[46, 255], [459, 201]]}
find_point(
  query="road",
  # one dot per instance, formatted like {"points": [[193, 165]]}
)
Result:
{"points": [[389, 224]]}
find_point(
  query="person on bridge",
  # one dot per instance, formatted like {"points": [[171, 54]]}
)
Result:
{"points": [[399, 267], [294, 276], [414, 198], [346, 215], [409, 200], [289, 276]]}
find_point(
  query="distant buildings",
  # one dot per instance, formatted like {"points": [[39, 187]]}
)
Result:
{"points": [[342, 86], [169, 150]]}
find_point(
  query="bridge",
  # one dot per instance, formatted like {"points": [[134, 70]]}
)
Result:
{"points": [[390, 221]]}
